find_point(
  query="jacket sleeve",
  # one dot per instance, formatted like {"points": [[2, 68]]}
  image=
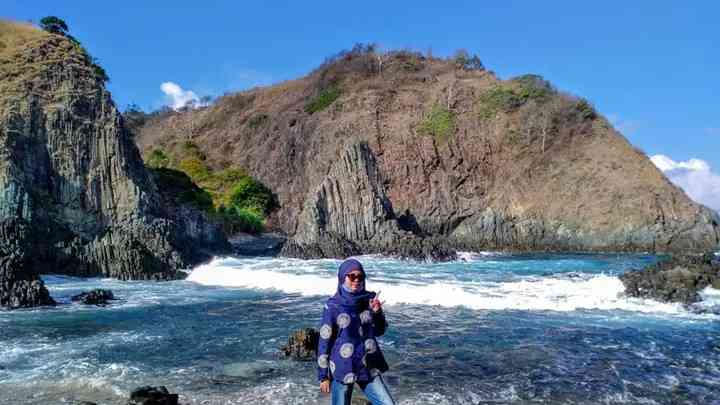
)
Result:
{"points": [[379, 322], [328, 333]]}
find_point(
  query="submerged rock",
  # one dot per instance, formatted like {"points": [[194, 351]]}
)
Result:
{"points": [[97, 296], [250, 369], [152, 396], [302, 344], [677, 279]]}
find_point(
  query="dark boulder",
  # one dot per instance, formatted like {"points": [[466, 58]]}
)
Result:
{"points": [[148, 395], [302, 344], [97, 296], [677, 279]]}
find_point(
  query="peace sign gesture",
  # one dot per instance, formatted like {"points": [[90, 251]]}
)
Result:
{"points": [[375, 303]]}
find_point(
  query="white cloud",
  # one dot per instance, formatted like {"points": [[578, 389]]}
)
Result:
{"points": [[694, 176], [176, 97]]}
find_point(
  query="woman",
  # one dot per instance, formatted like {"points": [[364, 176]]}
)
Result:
{"points": [[348, 352]]}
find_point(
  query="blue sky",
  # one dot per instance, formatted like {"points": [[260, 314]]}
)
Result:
{"points": [[652, 67]]}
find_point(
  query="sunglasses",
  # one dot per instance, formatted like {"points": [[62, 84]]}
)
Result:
{"points": [[356, 277]]}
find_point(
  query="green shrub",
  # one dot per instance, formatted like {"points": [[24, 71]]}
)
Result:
{"points": [[158, 159], [195, 168], [323, 100], [499, 98], [54, 25], [585, 109], [258, 121], [533, 87], [244, 220], [440, 123], [249, 193]]}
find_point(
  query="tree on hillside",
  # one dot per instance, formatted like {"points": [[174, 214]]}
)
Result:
{"points": [[54, 25]]}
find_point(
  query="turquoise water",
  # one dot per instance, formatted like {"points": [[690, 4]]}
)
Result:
{"points": [[484, 329]]}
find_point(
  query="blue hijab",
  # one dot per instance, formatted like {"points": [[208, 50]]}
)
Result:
{"points": [[346, 298]]}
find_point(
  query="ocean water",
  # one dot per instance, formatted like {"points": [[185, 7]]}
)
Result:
{"points": [[488, 328]]}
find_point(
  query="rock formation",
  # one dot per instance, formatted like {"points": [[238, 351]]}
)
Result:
{"points": [[302, 345], [75, 197], [677, 279], [422, 149]]}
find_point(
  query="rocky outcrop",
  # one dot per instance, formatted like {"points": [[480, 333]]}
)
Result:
{"points": [[677, 279], [302, 344], [542, 172], [349, 213], [75, 197], [98, 296], [148, 395]]}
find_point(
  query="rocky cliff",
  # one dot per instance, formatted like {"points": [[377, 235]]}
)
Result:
{"points": [[371, 149], [75, 197]]}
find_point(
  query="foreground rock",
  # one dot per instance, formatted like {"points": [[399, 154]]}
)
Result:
{"points": [[302, 344], [678, 279], [97, 296], [75, 197], [152, 396]]}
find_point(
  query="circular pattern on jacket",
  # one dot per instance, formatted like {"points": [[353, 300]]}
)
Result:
{"points": [[370, 346], [332, 366], [343, 320], [346, 350], [365, 316], [349, 378], [323, 360], [374, 372], [364, 360], [325, 331]]}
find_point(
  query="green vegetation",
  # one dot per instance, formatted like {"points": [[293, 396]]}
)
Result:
{"points": [[54, 25], [231, 196], [323, 99], [508, 97], [440, 123], [258, 120], [158, 159], [533, 87], [585, 109], [250, 194], [496, 99]]}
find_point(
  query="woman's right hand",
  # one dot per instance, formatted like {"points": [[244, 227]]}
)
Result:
{"points": [[325, 386]]}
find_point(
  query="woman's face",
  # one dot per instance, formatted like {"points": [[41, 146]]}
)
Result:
{"points": [[354, 280]]}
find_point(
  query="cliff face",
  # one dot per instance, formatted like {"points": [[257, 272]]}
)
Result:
{"points": [[74, 194], [425, 151]]}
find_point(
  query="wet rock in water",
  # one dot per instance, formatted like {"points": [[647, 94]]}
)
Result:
{"points": [[677, 279], [97, 296], [152, 396], [250, 369], [302, 344]]}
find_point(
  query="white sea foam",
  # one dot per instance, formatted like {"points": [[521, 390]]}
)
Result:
{"points": [[531, 293], [472, 256]]}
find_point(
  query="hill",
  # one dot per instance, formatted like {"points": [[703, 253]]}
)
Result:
{"points": [[372, 152]]}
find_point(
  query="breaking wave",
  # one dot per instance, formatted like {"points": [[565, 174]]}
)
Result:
{"points": [[554, 292]]}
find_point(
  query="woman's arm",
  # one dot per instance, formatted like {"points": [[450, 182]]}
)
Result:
{"points": [[325, 344], [379, 322]]}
